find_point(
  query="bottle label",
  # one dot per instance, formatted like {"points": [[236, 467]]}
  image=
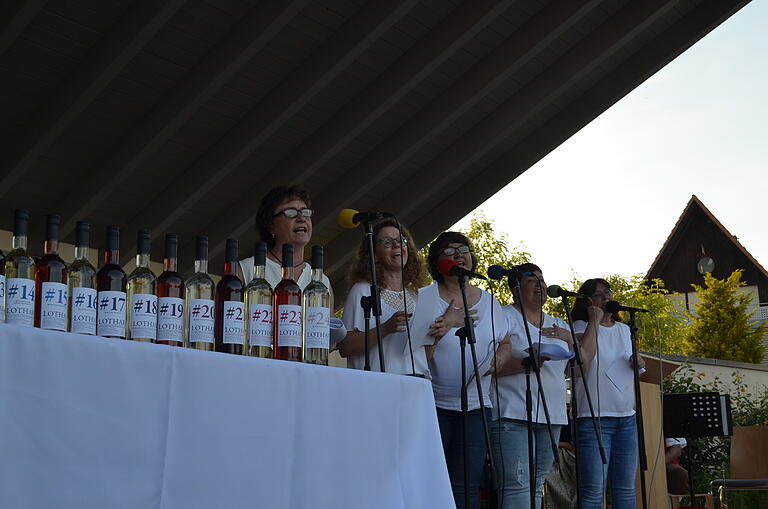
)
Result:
{"points": [[83, 311], [288, 325], [201, 321], [53, 307], [111, 316], [2, 298], [20, 301], [318, 331], [233, 322], [170, 319], [261, 325], [143, 316]]}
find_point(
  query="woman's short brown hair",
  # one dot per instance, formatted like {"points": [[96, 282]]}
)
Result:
{"points": [[270, 202]]}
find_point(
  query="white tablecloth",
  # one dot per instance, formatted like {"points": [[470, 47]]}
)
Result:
{"points": [[98, 423]]}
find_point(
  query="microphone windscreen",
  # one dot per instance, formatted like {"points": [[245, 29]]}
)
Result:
{"points": [[495, 272], [346, 218], [445, 266], [553, 291], [612, 307]]}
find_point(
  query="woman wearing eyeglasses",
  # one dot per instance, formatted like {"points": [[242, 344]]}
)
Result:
{"points": [[284, 217], [606, 351], [399, 274], [442, 314]]}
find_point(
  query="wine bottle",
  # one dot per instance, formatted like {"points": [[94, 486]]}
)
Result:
{"points": [[317, 313], [258, 303], [141, 316], [229, 305], [82, 285], [51, 281], [170, 297], [198, 303], [288, 323], [2, 286], [20, 275], [110, 285]]}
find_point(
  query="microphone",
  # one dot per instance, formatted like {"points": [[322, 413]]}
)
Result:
{"points": [[555, 291], [448, 267], [351, 218], [497, 272], [614, 307]]}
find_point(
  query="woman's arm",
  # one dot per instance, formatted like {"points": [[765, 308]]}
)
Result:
{"points": [[354, 342], [588, 340]]}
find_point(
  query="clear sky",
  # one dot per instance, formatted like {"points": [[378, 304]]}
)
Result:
{"points": [[606, 199]]}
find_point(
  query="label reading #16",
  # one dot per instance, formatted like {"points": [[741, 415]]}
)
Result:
{"points": [[83, 311]]}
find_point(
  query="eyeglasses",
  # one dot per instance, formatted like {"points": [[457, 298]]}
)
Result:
{"points": [[608, 293], [292, 212], [450, 251], [389, 242]]}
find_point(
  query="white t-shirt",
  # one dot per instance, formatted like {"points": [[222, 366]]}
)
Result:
{"points": [[617, 394], [511, 396], [397, 355], [274, 273], [445, 365]]}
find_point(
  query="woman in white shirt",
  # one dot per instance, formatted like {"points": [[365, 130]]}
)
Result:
{"points": [[606, 350], [509, 431], [400, 274], [438, 315]]}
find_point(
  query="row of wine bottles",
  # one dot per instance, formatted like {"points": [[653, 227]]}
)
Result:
{"points": [[285, 322]]}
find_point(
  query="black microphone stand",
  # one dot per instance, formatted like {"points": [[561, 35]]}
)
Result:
{"points": [[532, 364], [638, 409], [576, 361], [375, 298], [365, 303], [466, 335]]}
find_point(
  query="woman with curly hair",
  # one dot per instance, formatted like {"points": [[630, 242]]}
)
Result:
{"points": [[400, 274]]}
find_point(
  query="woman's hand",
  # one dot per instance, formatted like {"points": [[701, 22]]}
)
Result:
{"points": [[559, 333], [595, 314], [640, 363], [451, 319], [395, 323]]}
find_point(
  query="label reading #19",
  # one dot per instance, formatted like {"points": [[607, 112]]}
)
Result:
{"points": [[83, 311], [170, 319], [201, 321], [318, 327], [53, 307], [233, 322], [144, 316], [288, 325], [261, 325], [20, 301], [111, 317]]}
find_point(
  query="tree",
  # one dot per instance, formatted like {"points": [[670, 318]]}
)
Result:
{"points": [[723, 326]]}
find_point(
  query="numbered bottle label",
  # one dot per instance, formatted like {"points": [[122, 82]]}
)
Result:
{"points": [[201, 321], [83, 320], [2, 298], [233, 322], [53, 307], [20, 301], [170, 319], [261, 325], [318, 332], [110, 320], [143, 316], [288, 325]]}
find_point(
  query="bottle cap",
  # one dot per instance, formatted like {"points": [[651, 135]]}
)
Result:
{"points": [[52, 223], [201, 247], [260, 254], [171, 245], [143, 242], [83, 234], [317, 257], [230, 255], [20, 223], [287, 255], [113, 238]]}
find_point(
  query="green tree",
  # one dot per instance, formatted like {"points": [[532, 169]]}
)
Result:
{"points": [[722, 327]]}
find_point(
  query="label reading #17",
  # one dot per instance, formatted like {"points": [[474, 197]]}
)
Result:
{"points": [[111, 317]]}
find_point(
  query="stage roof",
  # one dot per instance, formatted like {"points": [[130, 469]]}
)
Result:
{"points": [[178, 115]]}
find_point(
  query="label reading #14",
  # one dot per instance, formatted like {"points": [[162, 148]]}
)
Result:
{"points": [[20, 301]]}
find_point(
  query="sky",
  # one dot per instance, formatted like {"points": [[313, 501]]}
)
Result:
{"points": [[606, 199]]}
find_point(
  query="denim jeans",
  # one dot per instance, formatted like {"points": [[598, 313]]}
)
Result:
{"points": [[619, 436], [452, 434], [509, 441]]}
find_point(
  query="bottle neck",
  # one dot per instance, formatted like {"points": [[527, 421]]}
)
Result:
{"points": [[19, 242], [169, 264], [288, 273], [112, 256], [260, 272], [142, 260], [229, 268], [317, 274], [51, 247], [201, 266], [81, 253]]}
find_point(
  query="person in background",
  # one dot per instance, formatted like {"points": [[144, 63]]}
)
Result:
{"points": [[400, 274], [677, 476]]}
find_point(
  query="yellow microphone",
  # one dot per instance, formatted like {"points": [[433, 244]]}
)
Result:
{"points": [[351, 218]]}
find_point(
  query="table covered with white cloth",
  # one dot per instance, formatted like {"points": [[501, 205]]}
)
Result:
{"points": [[88, 422]]}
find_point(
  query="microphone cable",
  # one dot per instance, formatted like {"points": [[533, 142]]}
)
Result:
{"points": [[499, 482], [405, 299]]}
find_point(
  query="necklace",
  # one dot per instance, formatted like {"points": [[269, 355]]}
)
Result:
{"points": [[280, 260]]}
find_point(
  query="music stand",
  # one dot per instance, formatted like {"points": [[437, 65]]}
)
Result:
{"points": [[696, 415]]}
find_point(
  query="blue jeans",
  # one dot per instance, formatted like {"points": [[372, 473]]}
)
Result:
{"points": [[619, 436], [509, 441], [452, 434]]}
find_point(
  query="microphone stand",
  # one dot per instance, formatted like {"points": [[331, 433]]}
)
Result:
{"points": [[531, 363], [375, 294], [466, 335], [365, 303], [638, 408], [576, 361]]}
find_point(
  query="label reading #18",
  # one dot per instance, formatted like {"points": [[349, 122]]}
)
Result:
{"points": [[111, 317], [53, 307], [20, 301], [144, 316], [233, 322], [289, 325], [170, 319], [201, 321], [83, 311]]}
